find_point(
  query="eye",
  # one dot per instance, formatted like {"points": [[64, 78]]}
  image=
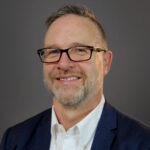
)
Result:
{"points": [[49, 53], [81, 50], [53, 51]]}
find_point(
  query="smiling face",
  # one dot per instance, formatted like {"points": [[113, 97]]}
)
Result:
{"points": [[75, 83]]}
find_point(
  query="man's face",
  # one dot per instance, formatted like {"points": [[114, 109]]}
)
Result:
{"points": [[72, 83]]}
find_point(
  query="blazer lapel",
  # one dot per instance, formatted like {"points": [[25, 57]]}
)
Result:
{"points": [[106, 129], [105, 132], [41, 138]]}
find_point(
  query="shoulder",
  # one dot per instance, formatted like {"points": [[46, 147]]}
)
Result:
{"points": [[22, 132], [130, 124], [130, 130], [33, 121]]}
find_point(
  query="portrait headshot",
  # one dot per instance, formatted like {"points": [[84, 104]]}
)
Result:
{"points": [[75, 75]]}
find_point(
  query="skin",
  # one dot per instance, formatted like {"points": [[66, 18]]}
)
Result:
{"points": [[77, 87]]}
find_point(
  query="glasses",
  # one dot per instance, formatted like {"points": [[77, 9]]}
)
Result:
{"points": [[76, 54]]}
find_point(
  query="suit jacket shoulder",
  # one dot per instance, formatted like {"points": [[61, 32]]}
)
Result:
{"points": [[21, 135], [117, 131]]}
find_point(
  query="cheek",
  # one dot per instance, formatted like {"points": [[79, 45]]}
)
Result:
{"points": [[98, 70], [92, 72], [47, 69]]}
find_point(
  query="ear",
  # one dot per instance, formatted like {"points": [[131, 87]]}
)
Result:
{"points": [[107, 61]]}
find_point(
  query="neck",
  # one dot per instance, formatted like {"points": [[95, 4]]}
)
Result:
{"points": [[69, 117]]}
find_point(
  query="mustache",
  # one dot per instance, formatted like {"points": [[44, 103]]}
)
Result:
{"points": [[66, 72]]}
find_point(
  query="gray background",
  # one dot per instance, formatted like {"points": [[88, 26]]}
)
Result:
{"points": [[127, 87]]}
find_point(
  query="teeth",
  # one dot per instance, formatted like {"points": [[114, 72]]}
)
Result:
{"points": [[69, 78]]}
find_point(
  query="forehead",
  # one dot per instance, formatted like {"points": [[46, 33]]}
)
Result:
{"points": [[72, 28]]}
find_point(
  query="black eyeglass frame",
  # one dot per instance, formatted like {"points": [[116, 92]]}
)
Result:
{"points": [[91, 48]]}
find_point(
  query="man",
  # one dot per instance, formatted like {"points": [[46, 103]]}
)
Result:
{"points": [[75, 61]]}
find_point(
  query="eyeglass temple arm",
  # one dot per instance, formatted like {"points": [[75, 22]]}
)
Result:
{"points": [[99, 50]]}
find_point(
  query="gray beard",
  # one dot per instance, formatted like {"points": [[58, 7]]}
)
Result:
{"points": [[76, 99]]}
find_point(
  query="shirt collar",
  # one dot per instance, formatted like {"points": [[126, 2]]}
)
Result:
{"points": [[89, 123]]}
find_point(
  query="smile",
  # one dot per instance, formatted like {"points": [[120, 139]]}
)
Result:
{"points": [[68, 78]]}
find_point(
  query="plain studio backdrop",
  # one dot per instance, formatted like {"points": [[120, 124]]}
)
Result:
{"points": [[127, 86]]}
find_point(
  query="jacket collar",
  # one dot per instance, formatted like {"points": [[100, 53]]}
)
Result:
{"points": [[106, 129], [103, 139]]}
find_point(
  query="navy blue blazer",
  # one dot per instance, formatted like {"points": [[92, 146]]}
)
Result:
{"points": [[115, 131]]}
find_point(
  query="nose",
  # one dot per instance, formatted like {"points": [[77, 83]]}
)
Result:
{"points": [[65, 63]]}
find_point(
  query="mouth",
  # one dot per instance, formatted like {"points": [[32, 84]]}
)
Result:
{"points": [[68, 80]]}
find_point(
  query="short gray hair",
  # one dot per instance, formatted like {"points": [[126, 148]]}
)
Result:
{"points": [[76, 10]]}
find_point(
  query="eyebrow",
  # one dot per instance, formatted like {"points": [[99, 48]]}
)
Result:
{"points": [[71, 45]]}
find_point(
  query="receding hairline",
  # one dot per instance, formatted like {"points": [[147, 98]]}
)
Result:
{"points": [[81, 11]]}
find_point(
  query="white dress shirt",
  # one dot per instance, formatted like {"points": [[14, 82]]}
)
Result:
{"points": [[78, 137]]}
